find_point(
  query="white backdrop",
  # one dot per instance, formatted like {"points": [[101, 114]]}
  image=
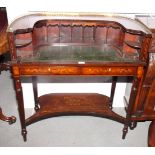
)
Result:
{"points": [[16, 8]]}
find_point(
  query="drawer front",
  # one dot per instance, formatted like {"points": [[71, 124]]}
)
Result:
{"points": [[117, 71], [149, 107], [73, 70]]}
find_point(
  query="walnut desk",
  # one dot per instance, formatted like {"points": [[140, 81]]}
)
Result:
{"points": [[82, 45], [3, 49]]}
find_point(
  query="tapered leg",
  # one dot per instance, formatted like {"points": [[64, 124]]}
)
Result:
{"points": [[125, 131], [35, 91], [132, 99], [113, 87], [20, 101], [131, 124], [151, 134]]}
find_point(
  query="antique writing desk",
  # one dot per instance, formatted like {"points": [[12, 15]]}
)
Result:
{"points": [[79, 45]]}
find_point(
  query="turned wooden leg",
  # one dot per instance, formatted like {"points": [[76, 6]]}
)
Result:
{"points": [[129, 123], [125, 131], [132, 125], [11, 119], [113, 87], [35, 91], [151, 134], [20, 101]]}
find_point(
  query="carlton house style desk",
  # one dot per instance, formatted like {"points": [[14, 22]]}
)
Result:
{"points": [[78, 45]]}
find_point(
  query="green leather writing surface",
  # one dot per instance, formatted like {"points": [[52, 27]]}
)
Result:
{"points": [[79, 53]]}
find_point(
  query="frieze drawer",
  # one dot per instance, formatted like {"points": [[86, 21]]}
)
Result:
{"points": [[73, 70]]}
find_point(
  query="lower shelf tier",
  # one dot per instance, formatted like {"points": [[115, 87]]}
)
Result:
{"points": [[55, 104]]}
